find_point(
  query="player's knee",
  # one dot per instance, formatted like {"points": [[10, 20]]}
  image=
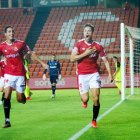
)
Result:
{"points": [[95, 99], [85, 99], [7, 96], [21, 99]]}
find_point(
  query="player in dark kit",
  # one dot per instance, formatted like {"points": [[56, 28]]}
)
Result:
{"points": [[53, 66]]}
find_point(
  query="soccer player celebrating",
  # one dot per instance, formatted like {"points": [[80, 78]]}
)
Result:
{"points": [[86, 53], [117, 73], [54, 69], [14, 73]]}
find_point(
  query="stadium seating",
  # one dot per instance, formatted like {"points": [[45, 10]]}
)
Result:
{"points": [[64, 27], [17, 19]]}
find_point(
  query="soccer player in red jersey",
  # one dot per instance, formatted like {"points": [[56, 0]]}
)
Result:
{"points": [[86, 53], [14, 76]]}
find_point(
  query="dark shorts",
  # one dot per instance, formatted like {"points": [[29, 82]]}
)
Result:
{"points": [[53, 79]]}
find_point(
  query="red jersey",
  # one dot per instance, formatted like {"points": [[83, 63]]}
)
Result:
{"points": [[2, 66], [14, 57], [88, 64]]}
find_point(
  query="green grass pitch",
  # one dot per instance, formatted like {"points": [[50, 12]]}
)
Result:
{"points": [[43, 118]]}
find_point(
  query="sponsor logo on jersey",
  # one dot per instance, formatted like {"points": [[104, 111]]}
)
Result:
{"points": [[12, 55], [52, 66]]}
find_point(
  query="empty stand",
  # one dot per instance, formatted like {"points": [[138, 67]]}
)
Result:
{"points": [[63, 29], [18, 20]]}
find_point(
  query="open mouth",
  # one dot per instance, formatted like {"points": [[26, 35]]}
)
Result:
{"points": [[87, 36], [11, 36]]}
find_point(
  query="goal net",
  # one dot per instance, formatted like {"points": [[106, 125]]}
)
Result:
{"points": [[130, 60]]}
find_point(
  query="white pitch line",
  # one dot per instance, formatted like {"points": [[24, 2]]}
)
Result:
{"points": [[82, 131]]}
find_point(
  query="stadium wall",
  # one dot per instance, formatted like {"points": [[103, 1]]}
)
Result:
{"points": [[64, 83], [71, 83]]}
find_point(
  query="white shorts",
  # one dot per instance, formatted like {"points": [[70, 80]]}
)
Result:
{"points": [[88, 81], [1, 82], [16, 82]]}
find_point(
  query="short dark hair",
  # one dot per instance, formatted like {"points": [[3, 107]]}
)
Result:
{"points": [[89, 25], [5, 29]]}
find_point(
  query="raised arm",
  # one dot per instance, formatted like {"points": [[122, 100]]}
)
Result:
{"points": [[44, 72], [35, 57]]}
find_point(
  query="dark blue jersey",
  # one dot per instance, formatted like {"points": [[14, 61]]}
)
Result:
{"points": [[54, 68]]}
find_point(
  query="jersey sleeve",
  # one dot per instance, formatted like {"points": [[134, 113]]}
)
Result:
{"points": [[26, 48]]}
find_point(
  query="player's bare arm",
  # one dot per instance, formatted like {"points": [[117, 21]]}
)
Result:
{"points": [[35, 57], [107, 65], [45, 71], [76, 57]]}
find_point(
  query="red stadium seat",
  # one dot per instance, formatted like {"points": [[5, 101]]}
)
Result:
{"points": [[50, 37]]}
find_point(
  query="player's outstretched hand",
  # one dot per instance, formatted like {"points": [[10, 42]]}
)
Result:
{"points": [[44, 77], [43, 65]]}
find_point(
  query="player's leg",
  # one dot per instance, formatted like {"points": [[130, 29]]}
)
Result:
{"points": [[53, 85], [84, 99], [27, 90], [118, 81], [118, 84], [96, 105], [8, 86], [95, 84], [20, 87], [7, 106], [83, 89], [21, 97], [53, 89]]}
